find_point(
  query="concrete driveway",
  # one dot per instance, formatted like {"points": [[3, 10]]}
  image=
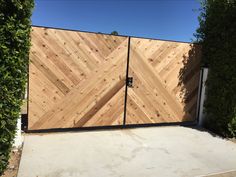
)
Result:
{"points": [[141, 152]]}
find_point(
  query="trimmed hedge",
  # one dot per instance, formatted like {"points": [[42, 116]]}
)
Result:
{"points": [[15, 26], [217, 33]]}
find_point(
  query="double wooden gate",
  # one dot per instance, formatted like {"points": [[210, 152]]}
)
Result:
{"points": [[82, 79]]}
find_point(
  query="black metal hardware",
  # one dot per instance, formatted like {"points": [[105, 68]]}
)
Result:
{"points": [[126, 85], [24, 122], [130, 81]]}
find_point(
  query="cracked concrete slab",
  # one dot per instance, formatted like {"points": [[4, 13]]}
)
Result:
{"points": [[140, 152]]}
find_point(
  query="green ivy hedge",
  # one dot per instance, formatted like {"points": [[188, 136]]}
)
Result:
{"points": [[217, 33], [15, 26]]}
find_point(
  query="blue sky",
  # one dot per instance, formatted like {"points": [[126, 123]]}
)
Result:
{"points": [[162, 19]]}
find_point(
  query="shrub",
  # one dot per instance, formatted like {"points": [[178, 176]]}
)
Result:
{"points": [[217, 33], [15, 28]]}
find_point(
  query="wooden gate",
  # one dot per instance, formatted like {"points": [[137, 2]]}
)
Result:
{"points": [[165, 81], [78, 79]]}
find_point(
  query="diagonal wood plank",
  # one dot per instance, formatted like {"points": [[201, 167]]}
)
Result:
{"points": [[77, 79], [108, 113], [88, 69], [83, 92], [165, 81], [152, 80]]}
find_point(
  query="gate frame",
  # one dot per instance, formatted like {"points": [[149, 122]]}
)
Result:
{"points": [[25, 119]]}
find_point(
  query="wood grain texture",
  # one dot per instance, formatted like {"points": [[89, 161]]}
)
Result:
{"points": [[165, 81], [76, 79]]}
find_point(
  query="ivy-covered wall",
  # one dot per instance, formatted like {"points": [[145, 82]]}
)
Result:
{"points": [[217, 33], [15, 26]]}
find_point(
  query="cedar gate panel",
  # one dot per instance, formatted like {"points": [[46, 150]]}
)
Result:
{"points": [[78, 79]]}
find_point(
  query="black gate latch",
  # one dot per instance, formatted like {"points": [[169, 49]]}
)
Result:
{"points": [[130, 82]]}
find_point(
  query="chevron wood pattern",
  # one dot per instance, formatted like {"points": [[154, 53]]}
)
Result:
{"points": [[165, 81], [76, 79]]}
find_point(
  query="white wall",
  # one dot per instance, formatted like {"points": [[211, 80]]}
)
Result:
{"points": [[203, 96], [18, 141], [19, 138]]}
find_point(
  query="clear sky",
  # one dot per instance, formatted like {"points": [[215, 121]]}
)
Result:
{"points": [[162, 19]]}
